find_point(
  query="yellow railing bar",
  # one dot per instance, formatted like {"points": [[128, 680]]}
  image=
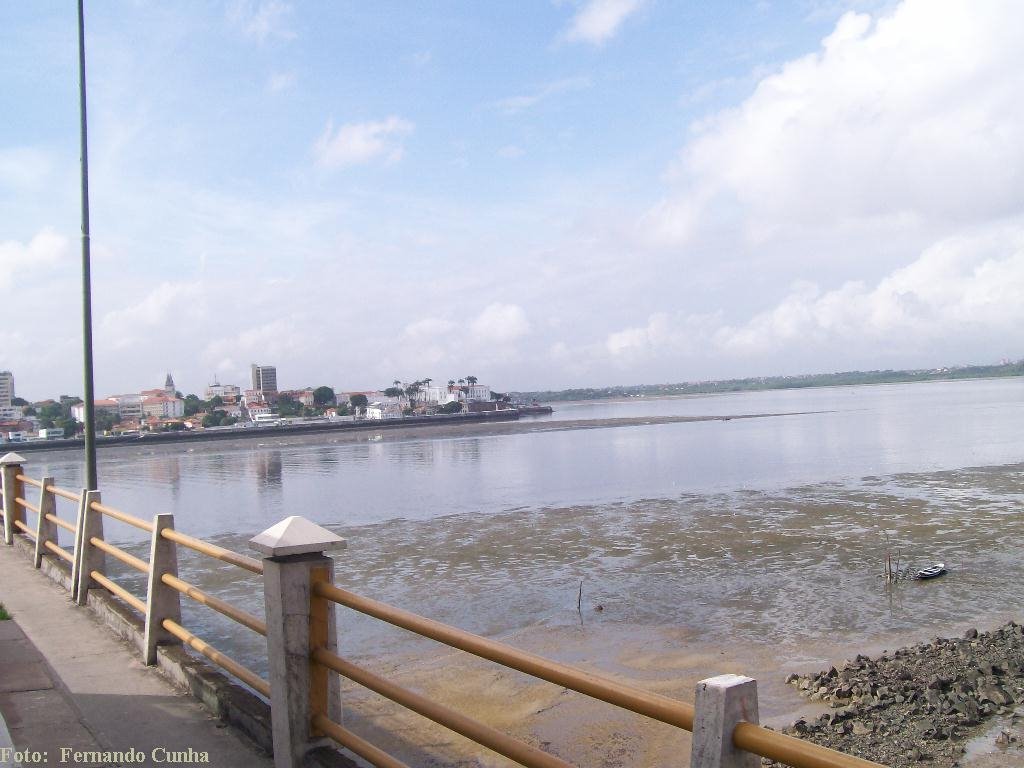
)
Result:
{"points": [[212, 550], [65, 494], [61, 523], [363, 748], [124, 517], [792, 751], [26, 504], [59, 551], [243, 618], [20, 524], [29, 480], [247, 676], [502, 743], [120, 554], [119, 591], [652, 705]]}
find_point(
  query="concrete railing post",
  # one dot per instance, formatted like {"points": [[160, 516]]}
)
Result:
{"points": [[163, 602], [76, 563], [721, 703], [46, 530], [89, 558], [10, 467], [298, 622]]}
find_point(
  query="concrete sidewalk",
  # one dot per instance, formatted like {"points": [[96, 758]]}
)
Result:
{"points": [[66, 681]]}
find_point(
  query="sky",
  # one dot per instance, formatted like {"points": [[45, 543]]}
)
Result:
{"points": [[546, 194]]}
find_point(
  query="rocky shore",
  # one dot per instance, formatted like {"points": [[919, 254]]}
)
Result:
{"points": [[922, 704]]}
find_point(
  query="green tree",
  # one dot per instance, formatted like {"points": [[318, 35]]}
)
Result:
{"points": [[193, 405], [20, 401], [393, 392], [453, 407], [69, 425], [288, 406], [214, 418], [472, 379], [216, 401], [105, 421], [323, 396], [358, 401]]}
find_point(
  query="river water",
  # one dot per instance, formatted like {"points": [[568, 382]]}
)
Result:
{"points": [[747, 544]]}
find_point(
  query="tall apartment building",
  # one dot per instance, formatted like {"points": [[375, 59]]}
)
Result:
{"points": [[6, 389], [264, 378]]}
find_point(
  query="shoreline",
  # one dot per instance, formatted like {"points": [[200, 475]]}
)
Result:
{"points": [[949, 702], [468, 425]]}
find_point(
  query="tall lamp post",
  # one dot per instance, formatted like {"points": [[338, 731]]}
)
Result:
{"points": [[90, 399]]}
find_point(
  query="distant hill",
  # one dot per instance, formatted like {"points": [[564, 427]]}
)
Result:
{"points": [[846, 378]]}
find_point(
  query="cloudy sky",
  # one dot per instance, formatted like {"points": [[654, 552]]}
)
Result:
{"points": [[545, 194]]}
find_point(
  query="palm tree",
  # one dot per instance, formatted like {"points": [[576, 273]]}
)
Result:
{"points": [[472, 380], [451, 383]]}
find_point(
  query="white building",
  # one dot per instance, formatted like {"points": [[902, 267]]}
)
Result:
{"points": [[6, 389], [128, 406], [440, 395], [53, 433], [258, 409], [164, 407], [384, 410], [223, 391], [478, 393], [108, 406]]}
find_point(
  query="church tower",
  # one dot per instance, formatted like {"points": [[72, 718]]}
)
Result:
{"points": [[169, 386]]}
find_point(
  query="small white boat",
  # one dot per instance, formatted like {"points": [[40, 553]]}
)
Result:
{"points": [[931, 571]]}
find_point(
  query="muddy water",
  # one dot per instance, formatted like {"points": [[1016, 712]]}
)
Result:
{"points": [[748, 545]]}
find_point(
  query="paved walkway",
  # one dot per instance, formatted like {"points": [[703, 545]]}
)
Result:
{"points": [[67, 682]]}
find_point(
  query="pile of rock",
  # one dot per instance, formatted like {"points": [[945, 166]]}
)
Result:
{"points": [[917, 704]]}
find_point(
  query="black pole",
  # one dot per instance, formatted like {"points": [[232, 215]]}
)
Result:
{"points": [[90, 399]]}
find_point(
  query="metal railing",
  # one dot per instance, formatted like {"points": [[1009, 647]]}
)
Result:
{"points": [[161, 613]]}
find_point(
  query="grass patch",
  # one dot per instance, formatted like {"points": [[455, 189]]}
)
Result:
{"points": [[4, 615]]}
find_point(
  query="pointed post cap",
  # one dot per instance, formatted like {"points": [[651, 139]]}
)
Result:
{"points": [[295, 535], [11, 458]]}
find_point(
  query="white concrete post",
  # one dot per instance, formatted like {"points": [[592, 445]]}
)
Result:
{"points": [[10, 466], [721, 702], [46, 530], [297, 622], [90, 558], [76, 565], [163, 602]]}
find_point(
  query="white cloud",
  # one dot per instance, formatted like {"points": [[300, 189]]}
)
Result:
{"points": [[164, 306], [962, 292], [511, 152], [512, 105], [912, 116], [966, 287], [428, 328], [280, 81], [261, 20], [663, 334], [46, 249], [500, 324], [23, 167], [599, 20], [357, 143]]}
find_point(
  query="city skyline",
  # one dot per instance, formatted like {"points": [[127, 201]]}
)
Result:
{"points": [[556, 195]]}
